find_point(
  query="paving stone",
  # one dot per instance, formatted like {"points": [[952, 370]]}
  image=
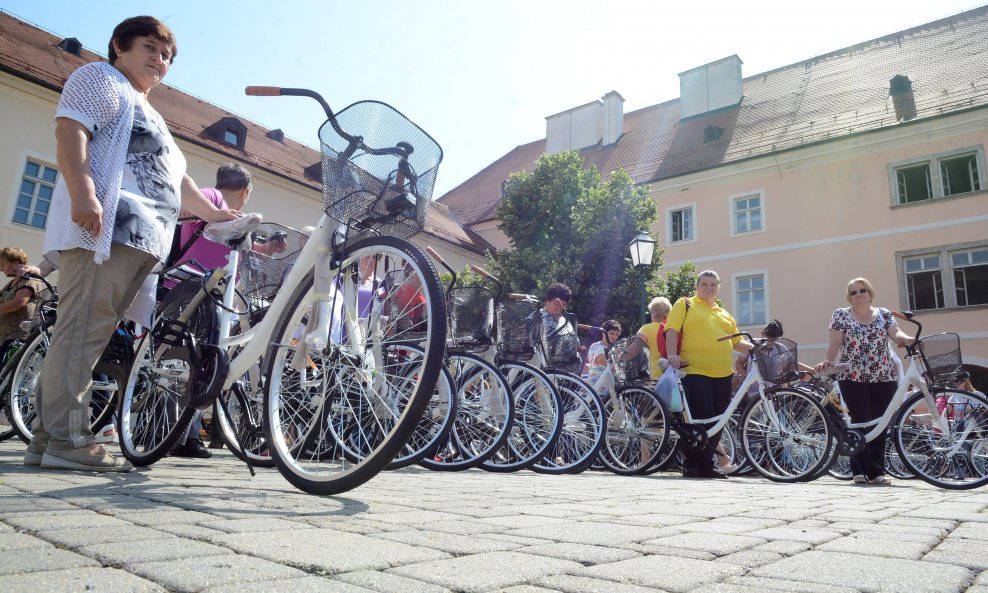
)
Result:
{"points": [[461, 527], [310, 584], [124, 553], [668, 573], [782, 514], [76, 538], [328, 552], [388, 583], [189, 575], [75, 520], [20, 541], [160, 518], [258, 525], [79, 580], [197, 532], [574, 584], [761, 585], [810, 536], [978, 531], [656, 550], [519, 521], [963, 552], [717, 544], [482, 572], [526, 589], [590, 533], [657, 519], [584, 554], [871, 546], [868, 573], [751, 558], [943, 524], [26, 560], [457, 545]]}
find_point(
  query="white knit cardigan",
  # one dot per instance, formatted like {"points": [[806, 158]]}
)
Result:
{"points": [[101, 98]]}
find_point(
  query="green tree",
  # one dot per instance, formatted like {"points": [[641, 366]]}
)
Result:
{"points": [[681, 283], [568, 225]]}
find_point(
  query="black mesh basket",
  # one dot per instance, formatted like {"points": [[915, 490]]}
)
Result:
{"points": [[629, 372], [560, 343], [943, 356], [262, 270], [513, 338], [357, 190], [778, 361], [471, 317], [202, 324]]}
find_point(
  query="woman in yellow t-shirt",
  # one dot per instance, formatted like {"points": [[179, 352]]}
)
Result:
{"points": [[708, 363]]}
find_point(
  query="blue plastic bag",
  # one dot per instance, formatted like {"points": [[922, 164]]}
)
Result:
{"points": [[669, 391]]}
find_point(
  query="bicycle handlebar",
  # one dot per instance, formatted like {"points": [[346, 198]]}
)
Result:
{"points": [[42, 279], [514, 296], [482, 273], [735, 335], [263, 91]]}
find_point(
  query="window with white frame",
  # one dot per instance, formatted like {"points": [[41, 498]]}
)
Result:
{"points": [[951, 276], [34, 195], [747, 213], [750, 299], [938, 176], [681, 225]]}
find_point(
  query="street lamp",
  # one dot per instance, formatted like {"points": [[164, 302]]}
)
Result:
{"points": [[642, 247]]}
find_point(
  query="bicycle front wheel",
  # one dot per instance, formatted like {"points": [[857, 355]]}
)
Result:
{"points": [[948, 449], [786, 435], [25, 373], [637, 432], [336, 416], [583, 429]]}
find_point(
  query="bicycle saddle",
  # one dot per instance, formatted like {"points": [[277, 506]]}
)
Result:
{"points": [[232, 231]]}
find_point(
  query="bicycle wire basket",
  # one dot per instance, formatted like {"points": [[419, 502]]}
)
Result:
{"points": [[942, 353], [357, 189], [778, 361], [262, 269], [514, 340], [560, 343], [629, 372], [202, 324], [471, 317]]}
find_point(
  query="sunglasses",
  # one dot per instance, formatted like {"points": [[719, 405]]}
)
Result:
{"points": [[859, 291]]}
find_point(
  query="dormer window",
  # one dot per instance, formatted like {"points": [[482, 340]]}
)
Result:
{"points": [[712, 134], [228, 130], [232, 137]]}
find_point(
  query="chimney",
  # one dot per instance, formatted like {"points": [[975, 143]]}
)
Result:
{"points": [[276, 135], [711, 87], [71, 45], [597, 122], [901, 91]]}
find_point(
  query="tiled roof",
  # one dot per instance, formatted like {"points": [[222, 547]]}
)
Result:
{"points": [[833, 95], [33, 54]]}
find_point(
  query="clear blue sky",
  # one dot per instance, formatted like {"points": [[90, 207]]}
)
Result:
{"points": [[480, 76]]}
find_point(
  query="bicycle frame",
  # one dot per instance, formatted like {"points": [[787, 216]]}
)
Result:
{"points": [[719, 422]]}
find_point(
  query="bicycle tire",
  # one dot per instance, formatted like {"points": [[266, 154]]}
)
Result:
{"points": [[584, 426], [537, 423], [25, 374], [434, 426], [637, 431], [153, 414], [802, 446], [485, 415], [893, 462], [841, 469], [311, 412], [955, 462]]}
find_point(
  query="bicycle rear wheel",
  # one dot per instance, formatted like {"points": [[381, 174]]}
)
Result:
{"points": [[538, 419], [238, 416], [637, 432], [948, 449], [436, 422], [25, 373], [336, 417], [583, 429], [786, 435], [484, 417]]}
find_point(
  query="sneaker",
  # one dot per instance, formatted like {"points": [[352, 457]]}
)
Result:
{"points": [[34, 453], [192, 448], [860, 479], [106, 436], [882, 480], [88, 459]]}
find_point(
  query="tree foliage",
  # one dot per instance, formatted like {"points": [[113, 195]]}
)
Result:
{"points": [[568, 225]]}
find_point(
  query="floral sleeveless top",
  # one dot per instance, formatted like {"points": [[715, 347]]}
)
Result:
{"points": [[865, 346]]}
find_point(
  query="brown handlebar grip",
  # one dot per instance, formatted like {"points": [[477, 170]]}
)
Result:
{"points": [[514, 296], [584, 327], [263, 91], [898, 315], [434, 254], [480, 272], [727, 337]]}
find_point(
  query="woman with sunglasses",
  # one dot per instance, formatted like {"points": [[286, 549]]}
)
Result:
{"points": [[859, 336]]}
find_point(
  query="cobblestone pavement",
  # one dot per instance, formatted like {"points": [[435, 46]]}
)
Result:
{"points": [[206, 525]]}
